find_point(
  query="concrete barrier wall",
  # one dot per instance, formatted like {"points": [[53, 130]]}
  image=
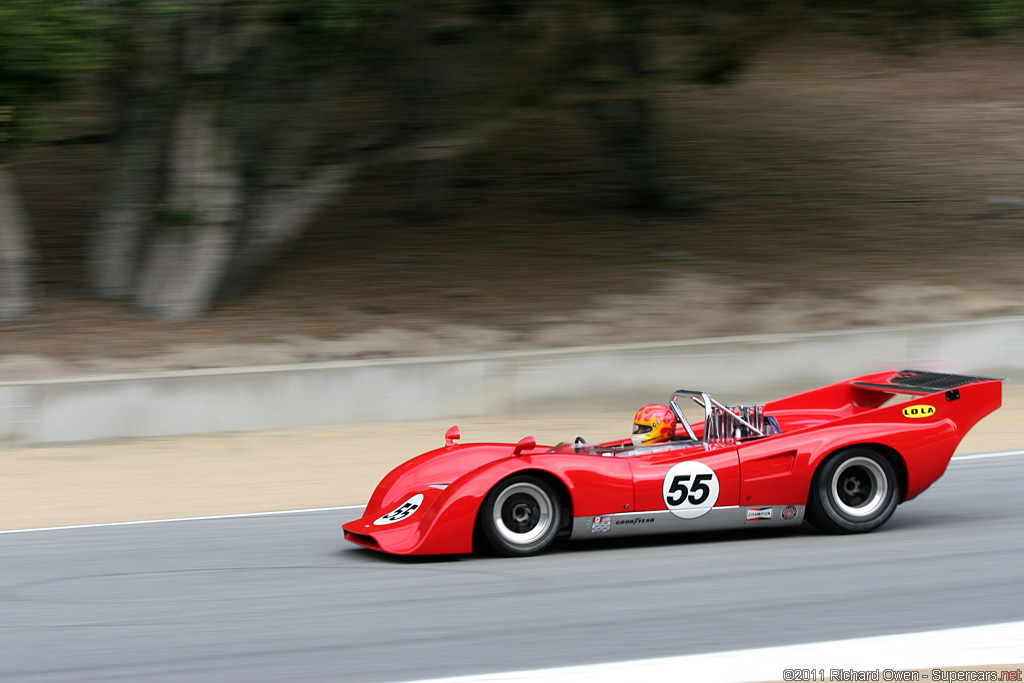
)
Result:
{"points": [[566, 381]]}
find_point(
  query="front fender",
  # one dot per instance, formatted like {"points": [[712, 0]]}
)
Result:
{"points": [[446, 522]]}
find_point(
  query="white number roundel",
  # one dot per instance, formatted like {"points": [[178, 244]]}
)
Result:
{"points": [[401, 512], [690, 489]]}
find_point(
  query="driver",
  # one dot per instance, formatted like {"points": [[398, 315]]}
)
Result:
{"points": [[653, 424]]}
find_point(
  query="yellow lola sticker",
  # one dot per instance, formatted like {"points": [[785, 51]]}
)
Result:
{"points": [[919, 411]]}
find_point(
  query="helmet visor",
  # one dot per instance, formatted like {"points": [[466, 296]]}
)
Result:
{"points": [[641, 429]]}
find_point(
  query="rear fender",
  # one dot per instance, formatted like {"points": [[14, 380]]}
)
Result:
{"points": [[922, 443], [925, 445]]}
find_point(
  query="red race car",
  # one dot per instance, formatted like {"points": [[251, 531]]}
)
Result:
{"points": [[842, 457]]}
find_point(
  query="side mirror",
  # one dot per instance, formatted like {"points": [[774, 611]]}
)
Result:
{"points": [[527, 443], [451, 436]]}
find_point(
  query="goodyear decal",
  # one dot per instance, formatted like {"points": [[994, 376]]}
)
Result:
{"points": [[919, 411]]}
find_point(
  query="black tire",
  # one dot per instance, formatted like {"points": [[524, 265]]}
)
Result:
{"points": [[520, 516], [853, 491]]}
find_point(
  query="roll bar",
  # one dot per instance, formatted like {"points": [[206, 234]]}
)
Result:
{"points": [[714, 428]]}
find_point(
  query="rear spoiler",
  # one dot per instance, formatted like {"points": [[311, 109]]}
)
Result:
{"points": [[922, 382]]}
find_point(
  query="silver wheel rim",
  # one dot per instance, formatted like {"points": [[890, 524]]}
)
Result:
{"points": [[522, 513], [860, 487]]}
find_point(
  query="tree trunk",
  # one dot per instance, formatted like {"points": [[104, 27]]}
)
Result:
{"points": [[132, 191], [182, 272], [187, 260], [196, 223], [143, 90], [625, 128], [626, 125], [420, 82], [279, 219], [16, 255]]}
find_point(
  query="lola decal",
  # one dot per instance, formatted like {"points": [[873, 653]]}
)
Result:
{"points": [[788, 512], [401, 512], [917, 411], [690, 489]]}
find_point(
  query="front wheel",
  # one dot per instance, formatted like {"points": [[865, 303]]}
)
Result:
{"points": [[855, 490], [520, 516]]}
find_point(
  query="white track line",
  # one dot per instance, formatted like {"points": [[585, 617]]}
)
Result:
{"points": [[977, 456], [982, 456], [185, 519], [985, 646]]}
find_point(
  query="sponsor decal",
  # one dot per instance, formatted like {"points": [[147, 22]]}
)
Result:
{"points": [[600, 524], [690, 489], [759, 513], [921, 410], [634, 520], [401, 512], [788, 512]]}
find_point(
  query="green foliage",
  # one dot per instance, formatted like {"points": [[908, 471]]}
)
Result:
{"points": [[329, 16], [981, 17], [323, 31], [994, 16], [44, 47], [333, 17], [165, 216]]}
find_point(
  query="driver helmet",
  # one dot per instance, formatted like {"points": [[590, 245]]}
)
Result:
{"points": [[653, 424]]}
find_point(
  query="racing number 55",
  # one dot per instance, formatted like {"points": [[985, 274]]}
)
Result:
{"points": [[690, 489], [698, 492]]}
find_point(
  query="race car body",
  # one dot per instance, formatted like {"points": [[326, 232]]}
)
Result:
{"points": [[841, 457]]}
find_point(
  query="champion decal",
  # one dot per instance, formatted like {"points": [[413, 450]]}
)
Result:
{"points": [[758, 513]]}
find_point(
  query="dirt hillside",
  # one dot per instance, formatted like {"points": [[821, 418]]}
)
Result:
{"points": [[839, 184]]}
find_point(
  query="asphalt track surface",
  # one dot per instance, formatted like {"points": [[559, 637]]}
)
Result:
{"points": [[284, 598]]}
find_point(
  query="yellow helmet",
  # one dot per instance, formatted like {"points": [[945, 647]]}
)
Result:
{"points": [[653, 424]]}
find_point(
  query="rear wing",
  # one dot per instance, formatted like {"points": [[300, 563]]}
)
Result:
{"points": [[969, 398], [920, 383]]}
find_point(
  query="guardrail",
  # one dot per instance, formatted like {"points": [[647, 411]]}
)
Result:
{"points": [[553, 381]]}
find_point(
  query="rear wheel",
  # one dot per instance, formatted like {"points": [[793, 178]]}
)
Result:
{"points": [[855, 490], [520, 516]]}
